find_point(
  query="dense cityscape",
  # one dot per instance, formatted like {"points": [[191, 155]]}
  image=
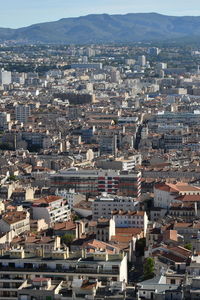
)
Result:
{"points": [[99, 171]]}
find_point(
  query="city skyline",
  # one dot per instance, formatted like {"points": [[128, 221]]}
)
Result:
{"points": [[22, 13]]}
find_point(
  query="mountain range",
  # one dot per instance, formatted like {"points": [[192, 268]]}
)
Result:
{"points": [[104, 28]]}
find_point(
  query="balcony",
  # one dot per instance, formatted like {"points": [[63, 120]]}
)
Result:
{"points": [[9, 298], [14, 279], [72, 270], [96, 271]]}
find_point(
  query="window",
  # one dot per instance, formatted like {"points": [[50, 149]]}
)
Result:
{"points": [[173, 281]]}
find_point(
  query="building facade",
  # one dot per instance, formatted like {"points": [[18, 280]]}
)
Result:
{"points": [[127, 183]]}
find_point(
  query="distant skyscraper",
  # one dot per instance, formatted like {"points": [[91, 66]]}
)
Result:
{"points": [[142, 60], [153, 51]]}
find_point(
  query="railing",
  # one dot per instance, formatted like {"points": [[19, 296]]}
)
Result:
{"points": [[59, 270]]}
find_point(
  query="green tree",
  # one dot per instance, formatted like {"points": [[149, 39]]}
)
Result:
{"points": [[12, 178], [188, 246], [67, 239], [149, 268], [75, 218]]}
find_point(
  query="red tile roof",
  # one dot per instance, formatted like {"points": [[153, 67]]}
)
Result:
{"points": [[68, 225], [178, 187], [14, 216], [47, 199]]}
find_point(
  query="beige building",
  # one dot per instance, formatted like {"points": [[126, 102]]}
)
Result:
{"points": [[15, 221], [104, 229], [133, 219]]}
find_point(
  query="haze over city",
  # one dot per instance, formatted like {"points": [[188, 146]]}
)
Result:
{"points": [[15, 14]]}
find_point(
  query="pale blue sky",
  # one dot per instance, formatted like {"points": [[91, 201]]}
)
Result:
{"points": [[18, 13]]}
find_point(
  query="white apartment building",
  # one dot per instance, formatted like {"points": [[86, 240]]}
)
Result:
{"points": [[52, 209], [18, 265], [104, 205], [133, 219], [167, 193], [71, 196]]}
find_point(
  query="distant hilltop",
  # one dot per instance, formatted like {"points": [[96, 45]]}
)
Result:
{"points": [[104, 28]]}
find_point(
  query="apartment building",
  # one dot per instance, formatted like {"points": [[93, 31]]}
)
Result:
{"points": [[71, 197], [22, 112], [120, 163], [17, 266], [167, 193], [133, 219], [52, 209], [32, 243], [16, 222], [104, 205], [39, 288], [127, 183], [103, 229]]}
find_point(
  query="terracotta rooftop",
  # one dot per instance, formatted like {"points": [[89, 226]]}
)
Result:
{"points": [[187, 225], [172, 257], [179, 206], [47, 199], [180, 250], [123, 239], [133, 231], [189, 198], [14, 216], [84, 205], [69, 225], [178, 187], [97, 245]]}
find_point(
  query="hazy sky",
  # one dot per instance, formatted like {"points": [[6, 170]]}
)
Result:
{"points": [[18, 13]]}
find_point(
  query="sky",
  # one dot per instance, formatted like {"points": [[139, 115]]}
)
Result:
{"points": [[19, 13]]}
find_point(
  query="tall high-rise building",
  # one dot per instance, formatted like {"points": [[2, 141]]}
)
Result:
{"points": [[142, 60], [22, 112]]}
